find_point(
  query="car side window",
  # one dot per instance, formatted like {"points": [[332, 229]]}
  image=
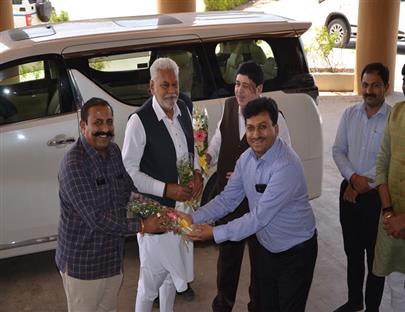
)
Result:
{"points": [[183, 59], [230, 54], [126, 76], [30, 90], [194, 78]]}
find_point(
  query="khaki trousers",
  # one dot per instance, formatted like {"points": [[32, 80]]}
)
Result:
{"points": [[98, 295]]}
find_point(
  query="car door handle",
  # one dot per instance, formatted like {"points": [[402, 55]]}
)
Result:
{"points": [[60, 140]]}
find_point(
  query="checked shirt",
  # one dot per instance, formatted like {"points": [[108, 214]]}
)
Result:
{"points": [[94, 192]]}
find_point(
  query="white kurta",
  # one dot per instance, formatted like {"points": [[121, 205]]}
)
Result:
{"points": [[168, 253], [165, 259]]}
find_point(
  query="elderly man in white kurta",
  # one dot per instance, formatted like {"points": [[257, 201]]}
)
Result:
{"points": [[157, 136]]}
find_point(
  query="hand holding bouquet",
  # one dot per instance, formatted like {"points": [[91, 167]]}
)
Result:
{"points": [[183, 226], [145, 207], [185, 172]]}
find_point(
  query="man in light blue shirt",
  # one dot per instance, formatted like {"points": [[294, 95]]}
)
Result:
{"points": [[271, 176], [355, 150]]}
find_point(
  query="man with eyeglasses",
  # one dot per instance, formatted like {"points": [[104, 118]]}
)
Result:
{"points": [[357, 143], [227, 144], [271, 176]]}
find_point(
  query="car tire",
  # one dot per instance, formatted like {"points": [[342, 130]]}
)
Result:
{"points": [[340, 27]]}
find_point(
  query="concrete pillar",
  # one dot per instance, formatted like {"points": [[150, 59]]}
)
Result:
{"points": [[6, 15], [376, 36], [176, 6]]}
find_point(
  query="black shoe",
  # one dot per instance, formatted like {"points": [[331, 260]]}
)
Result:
{"points": [[348, 307], [156, 303], [188, 294]]}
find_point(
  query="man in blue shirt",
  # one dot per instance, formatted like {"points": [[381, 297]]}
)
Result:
{"points": [[271, 176], [357, 143], [227, 144], [94, 190]]}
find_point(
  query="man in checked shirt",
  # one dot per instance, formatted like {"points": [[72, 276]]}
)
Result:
{"points": [[94, 189]]}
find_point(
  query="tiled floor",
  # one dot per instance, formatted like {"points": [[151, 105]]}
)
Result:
{"points": [[32, 283]]}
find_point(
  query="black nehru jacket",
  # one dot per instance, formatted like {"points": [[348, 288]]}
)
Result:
{"points": [[231, 148], [159, 157]]}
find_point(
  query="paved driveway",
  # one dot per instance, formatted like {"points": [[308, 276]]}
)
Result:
{"points": [[32, 283]]}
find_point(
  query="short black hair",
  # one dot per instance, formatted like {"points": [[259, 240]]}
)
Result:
{"points": [[259, 105], [378, 68], [403, 70], [94, 101], [253, 71]]}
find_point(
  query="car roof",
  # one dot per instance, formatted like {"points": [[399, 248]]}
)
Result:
{"points": [[85, 35]]}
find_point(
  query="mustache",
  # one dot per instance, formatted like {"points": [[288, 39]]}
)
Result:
{"points": [[100, 133], [257, 139], [370, 95], [170, 97]]}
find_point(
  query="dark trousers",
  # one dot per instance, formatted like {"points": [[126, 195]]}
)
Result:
{"points": [[359, 226], [228, 271], [283, 279]]}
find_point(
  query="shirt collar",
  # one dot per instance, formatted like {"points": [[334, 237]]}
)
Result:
{"points": [[160, 113], [271, 153], [240, 111], [382, 111], [91, 151]]}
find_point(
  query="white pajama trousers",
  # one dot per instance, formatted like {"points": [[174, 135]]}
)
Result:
{"points": [[396, 284], [149, 285], [166, 266]]}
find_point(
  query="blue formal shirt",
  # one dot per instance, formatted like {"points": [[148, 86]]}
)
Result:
{"points": [[94, 192], [358, 141], [281, 216]]}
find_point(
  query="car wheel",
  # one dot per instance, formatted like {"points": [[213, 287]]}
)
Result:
{"points": [[339, 27]]}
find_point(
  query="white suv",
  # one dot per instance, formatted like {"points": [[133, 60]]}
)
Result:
{"points": [[340, 16], [48, 71]]}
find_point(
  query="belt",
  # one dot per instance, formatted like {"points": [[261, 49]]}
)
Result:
{"points": [[299, 246]]}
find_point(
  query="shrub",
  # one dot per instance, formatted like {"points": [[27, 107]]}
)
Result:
{"points": [[62, 17], [222, 5], [320, 51]]}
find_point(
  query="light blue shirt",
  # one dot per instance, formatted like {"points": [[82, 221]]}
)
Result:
{"points": [[281, 217], [358, 141]]}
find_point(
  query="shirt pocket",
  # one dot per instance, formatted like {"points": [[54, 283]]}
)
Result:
{"points": [[121, 192]]}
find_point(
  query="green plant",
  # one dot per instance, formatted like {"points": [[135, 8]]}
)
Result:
{"points": [[320, 51], [31, 71], [97, 63], [222, 5], [62, 17]]}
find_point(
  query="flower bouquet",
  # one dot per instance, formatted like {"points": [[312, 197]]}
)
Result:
{"points": [[185, 171], [200, 127], [145, 207]]}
